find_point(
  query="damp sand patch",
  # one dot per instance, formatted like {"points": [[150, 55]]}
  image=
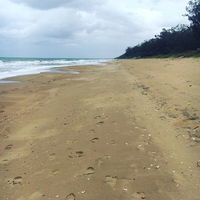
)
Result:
{"points": [[5, 81], [56, 70]]}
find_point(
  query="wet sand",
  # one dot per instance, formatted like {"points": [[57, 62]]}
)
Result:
{"points": [[129, 130]]}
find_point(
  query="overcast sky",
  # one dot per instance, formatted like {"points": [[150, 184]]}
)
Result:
{"points": [[82, 28]]}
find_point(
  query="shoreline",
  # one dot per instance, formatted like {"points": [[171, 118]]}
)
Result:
{"points": [[55, 70], [13, 67], [126, 130]]}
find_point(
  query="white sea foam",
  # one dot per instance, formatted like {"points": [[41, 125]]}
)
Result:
{"points": [[10, 67]]}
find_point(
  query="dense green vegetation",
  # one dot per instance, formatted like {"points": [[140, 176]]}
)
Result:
{"points": [[181, 40]]}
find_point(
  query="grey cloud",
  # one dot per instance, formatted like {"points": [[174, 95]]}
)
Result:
{"points": [[82, 28], [49, 4], [43, 4]]}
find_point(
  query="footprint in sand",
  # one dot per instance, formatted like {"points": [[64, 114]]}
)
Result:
{"points": [[77, 154], [86, 172], [107, 157], [112, 142], [70, 142], [8, 147], [93, 140], [123, 184], [110, 180], [17, 180], [71, 196], [5, 161], [52, 156], [97, 117], [89, 171], [55, 171], [140, 147], [98, 162], [92, 131], [138, 196], [100, 123], [34, 196]]}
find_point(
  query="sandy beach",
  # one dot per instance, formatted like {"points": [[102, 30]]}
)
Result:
{"points": [[129, 130]]}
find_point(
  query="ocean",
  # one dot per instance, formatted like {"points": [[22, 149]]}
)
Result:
{"points": [[11, 67]]}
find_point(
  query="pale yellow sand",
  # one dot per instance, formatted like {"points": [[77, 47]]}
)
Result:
{"points": [[126, 131]]}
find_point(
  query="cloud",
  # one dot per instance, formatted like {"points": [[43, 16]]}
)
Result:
{"points": [[51, 4], [79, 28], [44, 4]]}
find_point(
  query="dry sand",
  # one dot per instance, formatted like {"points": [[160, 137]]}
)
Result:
{"points": [[129, 130]]}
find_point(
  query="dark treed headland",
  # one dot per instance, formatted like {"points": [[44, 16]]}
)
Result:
{"points": [[181, 40]]}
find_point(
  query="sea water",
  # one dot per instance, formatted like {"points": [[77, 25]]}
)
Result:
{"points": [[10, 67]]}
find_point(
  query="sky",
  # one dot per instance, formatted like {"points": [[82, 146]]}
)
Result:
{"points": [[83, 28]]}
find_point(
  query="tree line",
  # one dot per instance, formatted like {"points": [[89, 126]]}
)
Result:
{"points": [[176, 40]]}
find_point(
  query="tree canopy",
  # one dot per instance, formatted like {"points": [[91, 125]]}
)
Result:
{"points": [[175, 40], [193, 15]]}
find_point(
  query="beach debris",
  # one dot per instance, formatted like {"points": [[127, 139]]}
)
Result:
{"points": [[70, 196], [193, 138]]}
